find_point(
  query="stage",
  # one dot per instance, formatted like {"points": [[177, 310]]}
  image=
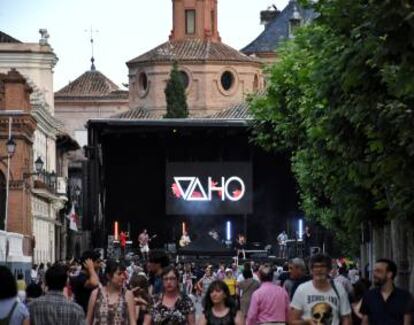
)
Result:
{"points": [[127, 180]]}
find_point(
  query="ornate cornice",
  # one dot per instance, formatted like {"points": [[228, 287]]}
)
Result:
{"points": [[47, 195], [24, 55], [24, 125], [47, 123]]}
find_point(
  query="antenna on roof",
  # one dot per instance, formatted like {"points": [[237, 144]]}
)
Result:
{"points": [[93, 68]]}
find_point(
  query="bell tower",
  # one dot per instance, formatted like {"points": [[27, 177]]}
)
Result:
{"points": [[195, 19]]}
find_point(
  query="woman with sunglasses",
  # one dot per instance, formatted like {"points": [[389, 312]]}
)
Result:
{"points": [[171, 306], [219, 307]]}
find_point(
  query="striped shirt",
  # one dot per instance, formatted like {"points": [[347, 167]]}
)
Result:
{"points": [[53, 308]]}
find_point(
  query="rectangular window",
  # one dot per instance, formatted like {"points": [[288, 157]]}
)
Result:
{"points": [[190, 21]]}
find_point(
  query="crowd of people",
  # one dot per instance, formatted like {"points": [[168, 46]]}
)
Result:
{"points": [[94, 291]]}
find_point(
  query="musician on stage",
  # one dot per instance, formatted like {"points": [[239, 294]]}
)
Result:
{"points": [[185, 239], [307, 239], [122, 240], [241, 245], [214, 234], [144, 240], [282, 239]]}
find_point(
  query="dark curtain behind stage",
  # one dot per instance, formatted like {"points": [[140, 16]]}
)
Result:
{"points": [[134, 178]]}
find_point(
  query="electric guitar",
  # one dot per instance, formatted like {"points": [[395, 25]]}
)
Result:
{"points": [[143, 243], [184, 241]]}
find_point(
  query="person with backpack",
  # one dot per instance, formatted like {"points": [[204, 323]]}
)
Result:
{"points": [[320, 300], [12, 311]]}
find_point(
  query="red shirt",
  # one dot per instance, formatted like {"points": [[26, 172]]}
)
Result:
{"points": [[122, 238]]}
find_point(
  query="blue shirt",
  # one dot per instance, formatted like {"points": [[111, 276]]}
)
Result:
{"points": [[20, 313], [157, 285]]}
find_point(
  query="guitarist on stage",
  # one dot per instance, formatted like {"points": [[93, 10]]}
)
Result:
{"points": [[282, 239], [185, 239], [144, 240], [241, 245]]}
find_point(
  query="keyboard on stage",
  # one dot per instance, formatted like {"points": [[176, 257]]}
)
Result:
{"points": [[255, 251]]}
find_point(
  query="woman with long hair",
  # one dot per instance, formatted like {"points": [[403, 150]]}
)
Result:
{"points": [[112, 304], [360, 288], [171, 306], [219, 307], [139, 286], [12, 311]]}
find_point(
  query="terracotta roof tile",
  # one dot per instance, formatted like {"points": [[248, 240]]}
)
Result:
{"points": [[136, 114], [91, 84], [239, 111], [192, 50]]}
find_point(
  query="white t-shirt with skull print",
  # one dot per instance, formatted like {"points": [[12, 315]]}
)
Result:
{"points": [[324, 308]]}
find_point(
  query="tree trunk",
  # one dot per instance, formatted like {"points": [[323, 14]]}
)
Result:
{"points": [[399, 238], [364, 247], [410, 251], [387, 243], [378, 244], [396, 242]]}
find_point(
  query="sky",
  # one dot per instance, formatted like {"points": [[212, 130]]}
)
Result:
{"points": [[124, 29]]}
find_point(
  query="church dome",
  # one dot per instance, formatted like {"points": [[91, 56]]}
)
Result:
{"points": [[192, 50]]}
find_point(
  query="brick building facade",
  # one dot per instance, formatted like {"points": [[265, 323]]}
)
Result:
{"points": [[215, 75], [35, 198]]}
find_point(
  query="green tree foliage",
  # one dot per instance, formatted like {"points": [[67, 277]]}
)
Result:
{"points": [[175, 95], [341, 101]]}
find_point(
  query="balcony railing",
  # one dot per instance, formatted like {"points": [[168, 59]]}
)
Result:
{"points": [[47, 181]]}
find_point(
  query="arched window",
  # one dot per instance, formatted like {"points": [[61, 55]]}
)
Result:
{"points": [[143, 81], [256, 83], [227, 80], [184, 78]]}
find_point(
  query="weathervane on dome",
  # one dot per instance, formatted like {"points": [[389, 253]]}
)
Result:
{"points": [[93, 68]]}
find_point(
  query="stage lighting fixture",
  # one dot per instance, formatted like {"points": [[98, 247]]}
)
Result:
{"points": [[116, 230], [228, 231], [300, 229]]}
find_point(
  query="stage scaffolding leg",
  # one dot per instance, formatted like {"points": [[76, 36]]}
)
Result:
{"points": [[245, 225]]}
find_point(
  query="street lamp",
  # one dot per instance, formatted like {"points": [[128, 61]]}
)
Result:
{"points": [[53, 177], [11, 147], [39, 165]]}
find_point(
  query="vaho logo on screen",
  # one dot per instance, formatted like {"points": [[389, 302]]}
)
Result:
{"points": [[191, 189]]}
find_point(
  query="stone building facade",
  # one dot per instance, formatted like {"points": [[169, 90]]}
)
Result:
{"points": [[34, 62], [91, 95]]}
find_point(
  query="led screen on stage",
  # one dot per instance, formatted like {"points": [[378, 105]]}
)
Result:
{"points": [[209, 188]]}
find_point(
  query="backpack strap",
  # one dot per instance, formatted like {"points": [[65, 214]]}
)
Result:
{"points": [[6, 321], [339, 297]]}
